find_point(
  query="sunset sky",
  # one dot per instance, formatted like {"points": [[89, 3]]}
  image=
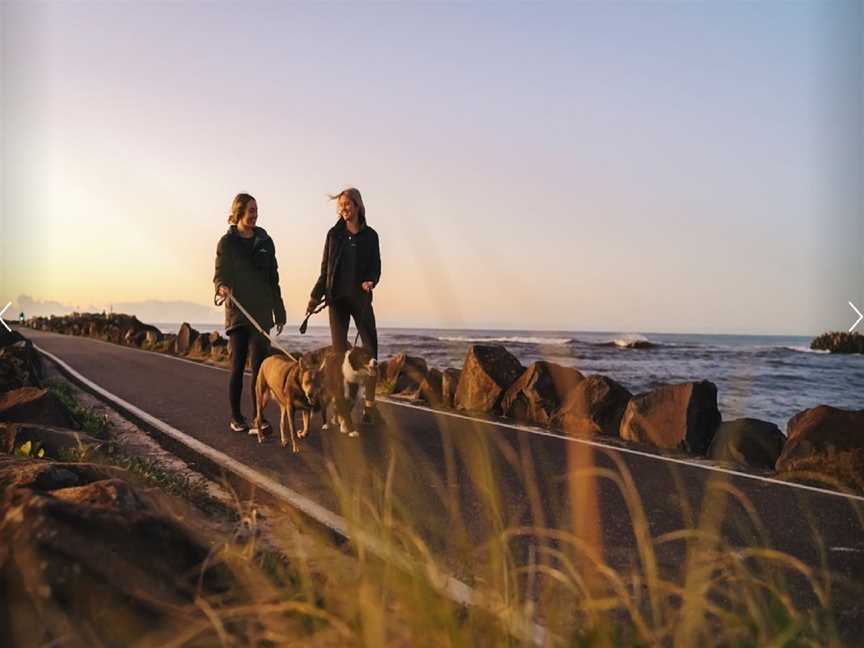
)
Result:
{"points": [[636, 167]]}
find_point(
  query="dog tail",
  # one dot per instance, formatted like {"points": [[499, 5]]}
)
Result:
{"points": [[261, 391]]}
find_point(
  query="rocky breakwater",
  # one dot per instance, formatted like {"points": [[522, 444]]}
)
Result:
{"points": [[824, 443], [839, 342], [128, 331]]}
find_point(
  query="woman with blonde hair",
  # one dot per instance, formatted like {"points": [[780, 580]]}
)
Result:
{"points": [[350, 269], [246, 270]]}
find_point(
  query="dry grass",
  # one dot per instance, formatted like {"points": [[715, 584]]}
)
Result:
{"points": [[540, 572]]}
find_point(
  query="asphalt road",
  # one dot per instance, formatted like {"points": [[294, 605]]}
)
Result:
{"points": [[462, 481]]}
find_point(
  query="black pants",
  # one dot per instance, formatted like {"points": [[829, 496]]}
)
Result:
{"points": [[342, 309], [244, 342]]}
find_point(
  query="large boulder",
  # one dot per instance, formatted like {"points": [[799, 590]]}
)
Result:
{"points": [[539, 392], [826, 442], [449, 380], [594, 406], [488, 372], [429, 389], [185, 337], [201, 346], [403, 373], [20, 366], [683, 416], [34, 405], [88, 559], [748, 443], [10, 337]]}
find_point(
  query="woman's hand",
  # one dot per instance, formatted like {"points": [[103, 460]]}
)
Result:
{"points": [[279, 329], [223, 291], [367, 286], [312, 305]]}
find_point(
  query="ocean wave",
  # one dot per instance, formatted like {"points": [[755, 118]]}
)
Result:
{"points": [[517, 339], [804, 349], [630, 341]]}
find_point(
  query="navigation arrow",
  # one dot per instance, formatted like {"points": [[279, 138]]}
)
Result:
{"points": [[857, 322], [1, 316]]}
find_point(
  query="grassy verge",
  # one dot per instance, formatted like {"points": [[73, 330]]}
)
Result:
{"points": [[546, 563]]}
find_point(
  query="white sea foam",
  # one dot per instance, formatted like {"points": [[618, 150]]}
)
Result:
{"points": [[804, 349], [631, 339], [514, 339]]}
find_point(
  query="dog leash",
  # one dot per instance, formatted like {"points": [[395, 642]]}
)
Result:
{"points": [[305, 323], [255, 323]]}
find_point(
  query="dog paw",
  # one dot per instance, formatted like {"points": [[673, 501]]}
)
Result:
{"points": [[325, 427], [353, 434], [283, 443]]}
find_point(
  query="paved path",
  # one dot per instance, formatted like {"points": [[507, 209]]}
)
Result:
{"points": [[434, 456]]}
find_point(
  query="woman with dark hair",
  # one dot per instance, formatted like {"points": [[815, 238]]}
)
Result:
{"points": [[350, 269], [246, 270]]}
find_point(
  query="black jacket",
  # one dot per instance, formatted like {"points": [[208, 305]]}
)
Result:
{"points": [[253, 276], [368, 258]]}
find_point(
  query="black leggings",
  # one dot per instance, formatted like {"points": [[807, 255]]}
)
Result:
{"points": [[342, 309], [241, 341]]}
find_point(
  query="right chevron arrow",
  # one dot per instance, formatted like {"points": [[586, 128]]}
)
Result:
{"points": [[860, 317]]}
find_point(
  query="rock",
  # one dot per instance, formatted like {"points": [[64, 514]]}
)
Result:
{"points": [[53, 440], [87, 557], [34, 405], [167, 344], [429, 390], [594, 406], [403, 373], [828, 443], [219, 350], [138, 339], [185, 337], [839, 342], [539, 392], [20, 366], [683, 416], [449, 380], [488, 371], [10, 337], [748, 443], [201, 346]]}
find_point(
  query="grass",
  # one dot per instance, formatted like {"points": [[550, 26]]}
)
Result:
{"points": [[92, 423], [544, 562]]}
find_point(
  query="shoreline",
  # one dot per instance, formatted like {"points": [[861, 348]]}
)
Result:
{"points": [[409, 379]]}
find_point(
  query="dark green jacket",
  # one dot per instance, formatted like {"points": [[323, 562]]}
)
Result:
{"points": [[368, 258], [252, 276]]}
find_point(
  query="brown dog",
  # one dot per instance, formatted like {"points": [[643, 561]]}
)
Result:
{"points": [[295, 386]]}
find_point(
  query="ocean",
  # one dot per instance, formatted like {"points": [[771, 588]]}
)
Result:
{"points": [[765, 377]]}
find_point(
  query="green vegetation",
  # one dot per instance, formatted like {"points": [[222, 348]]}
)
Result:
{"points": [[96, 425], [30, 449]]}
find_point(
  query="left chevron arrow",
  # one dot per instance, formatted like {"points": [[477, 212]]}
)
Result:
{"points": [[857, 322], [5, 308]]}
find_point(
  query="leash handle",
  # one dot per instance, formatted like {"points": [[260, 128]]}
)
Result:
{"points": [[218, 302]]}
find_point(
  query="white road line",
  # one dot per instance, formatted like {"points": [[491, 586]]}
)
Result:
{"points": [[548, 433], [607, 446], [456, 590]]}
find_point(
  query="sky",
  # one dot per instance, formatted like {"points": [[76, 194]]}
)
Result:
{"points": [[633, 167]]}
